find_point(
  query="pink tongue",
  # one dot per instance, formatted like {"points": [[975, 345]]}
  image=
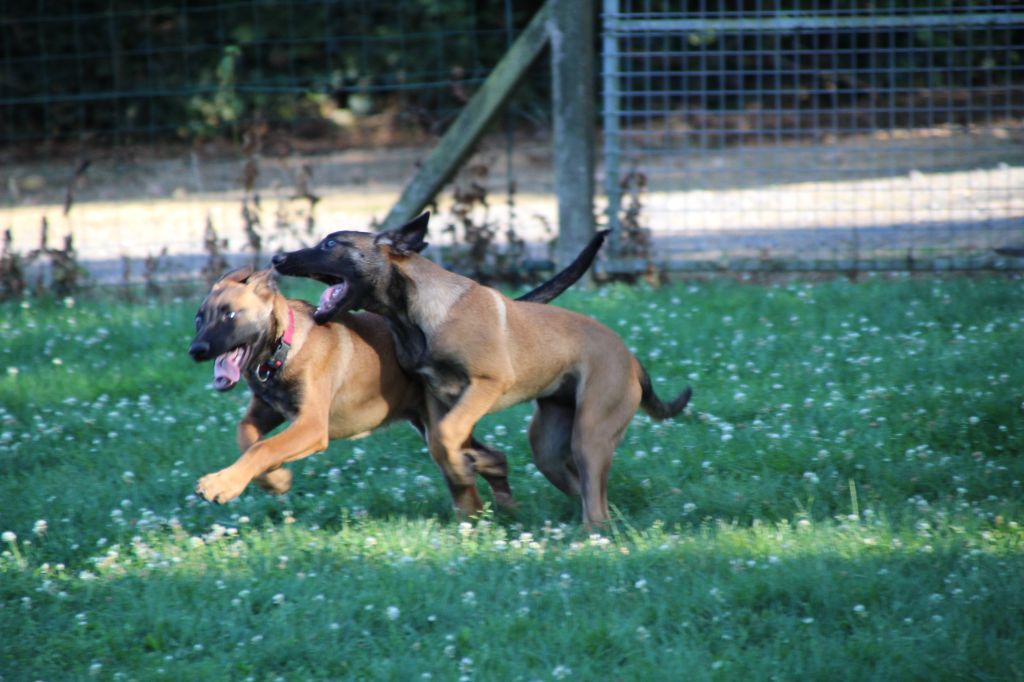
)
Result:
{"points": [[330, 295], [227, 370]]}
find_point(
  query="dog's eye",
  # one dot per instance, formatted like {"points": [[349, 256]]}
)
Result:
{"points": [[230, 315], [330, 244], [199, 321]]}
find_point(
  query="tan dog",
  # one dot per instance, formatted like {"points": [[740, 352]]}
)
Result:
{"points": [[337, 380], [479, 352]]}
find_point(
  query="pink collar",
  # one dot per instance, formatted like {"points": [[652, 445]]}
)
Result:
{"points": [[290, 331]]}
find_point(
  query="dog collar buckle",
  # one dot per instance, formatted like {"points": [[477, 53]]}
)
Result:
{"points": [[263, 373]]}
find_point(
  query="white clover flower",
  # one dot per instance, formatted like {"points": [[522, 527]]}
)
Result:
{"points": [[560, 672], [393, 612], [8, 536]]}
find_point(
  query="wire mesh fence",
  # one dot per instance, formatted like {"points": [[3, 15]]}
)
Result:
{"points": [[156, 69], [168, 126], [817, 135], [754, 135]]}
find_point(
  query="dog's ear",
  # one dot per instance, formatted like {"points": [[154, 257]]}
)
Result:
{"points": [[238, 276], [406, 239], [263, 283]]}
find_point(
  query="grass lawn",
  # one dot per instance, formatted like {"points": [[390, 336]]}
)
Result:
{"points": [[842, 500]]}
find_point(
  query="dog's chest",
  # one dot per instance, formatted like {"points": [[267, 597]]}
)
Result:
{"points": [[445, 379], [280, 394]]}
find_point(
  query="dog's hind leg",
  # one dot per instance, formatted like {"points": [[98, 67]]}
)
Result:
{"points": [[551, 441], [602, 416]]}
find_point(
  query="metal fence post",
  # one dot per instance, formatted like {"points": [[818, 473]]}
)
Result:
{"points": [[610, 115], [571, 36]]}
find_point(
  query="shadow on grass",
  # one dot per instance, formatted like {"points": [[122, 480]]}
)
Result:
{"points": [[395, 599]]}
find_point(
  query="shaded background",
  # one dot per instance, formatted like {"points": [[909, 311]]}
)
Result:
{"points": [[772, 135]]}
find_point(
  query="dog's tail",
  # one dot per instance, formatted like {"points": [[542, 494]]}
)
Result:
{"points": [[554, 287], [653, 405]]}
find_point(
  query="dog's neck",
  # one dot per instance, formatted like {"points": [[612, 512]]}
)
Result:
{"points": [[421, 292], [277, 328], [415, 297]]}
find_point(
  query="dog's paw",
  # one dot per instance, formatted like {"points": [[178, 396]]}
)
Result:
{"points": [[506, 502], [220, 487], [276, 482]]}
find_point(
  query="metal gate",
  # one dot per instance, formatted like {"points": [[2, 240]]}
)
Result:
{"points": [[853, 136]]}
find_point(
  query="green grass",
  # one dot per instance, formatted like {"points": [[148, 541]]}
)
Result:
{"points": [[842, 500]]}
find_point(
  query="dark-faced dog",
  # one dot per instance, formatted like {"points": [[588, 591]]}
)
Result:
{"points": [[478, 352], [334, 380]]}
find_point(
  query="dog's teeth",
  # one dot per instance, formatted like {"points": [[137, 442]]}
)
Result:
{"points": [[330, 296]]}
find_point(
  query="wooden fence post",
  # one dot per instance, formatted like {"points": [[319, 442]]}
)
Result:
{"points": [[571, 38], [462, 135]]}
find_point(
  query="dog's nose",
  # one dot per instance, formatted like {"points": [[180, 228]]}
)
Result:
{"points": [[278, 259], [199, 350]]}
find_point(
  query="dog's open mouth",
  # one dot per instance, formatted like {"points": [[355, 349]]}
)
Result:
{"points": [[227, 370], [330, 300]]}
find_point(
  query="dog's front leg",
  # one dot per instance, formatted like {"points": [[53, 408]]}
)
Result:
{"points": [[258, 420], [493, 466], [448, 434], [306, 435]]}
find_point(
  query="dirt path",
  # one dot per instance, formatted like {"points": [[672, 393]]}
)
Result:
{"points": [[853, 198]]}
